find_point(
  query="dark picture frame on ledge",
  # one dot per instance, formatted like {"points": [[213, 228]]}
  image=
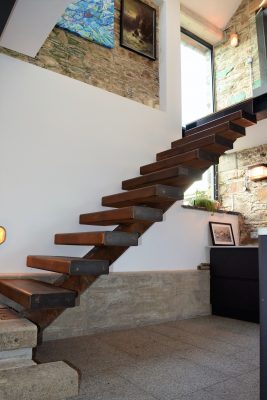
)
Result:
{"points": [[138, 28], [222, 234]]}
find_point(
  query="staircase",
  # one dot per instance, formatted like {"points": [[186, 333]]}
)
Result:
{"points": [[142, 203]]}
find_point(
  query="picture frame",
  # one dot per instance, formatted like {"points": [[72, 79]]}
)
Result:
{"points": [[222, 234], [138, 28]]}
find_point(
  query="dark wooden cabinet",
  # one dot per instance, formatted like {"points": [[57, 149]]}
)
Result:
{"points": [[235, 282]]}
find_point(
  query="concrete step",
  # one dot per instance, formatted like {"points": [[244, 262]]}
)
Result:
{"points": [[16, 332], [51, 381], [20, 377]]}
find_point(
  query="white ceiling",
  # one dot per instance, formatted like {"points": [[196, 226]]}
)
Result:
{"points": [[217, 12]]}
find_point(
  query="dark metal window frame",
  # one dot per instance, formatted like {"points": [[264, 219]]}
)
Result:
{"points": [[210, 47]]}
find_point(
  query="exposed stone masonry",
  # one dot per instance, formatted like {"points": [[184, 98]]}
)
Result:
{"points": [[238, 193], [232, 70], [117, 70]]}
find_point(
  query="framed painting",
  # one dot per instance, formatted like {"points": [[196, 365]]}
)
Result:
{"points": [[222, 234], [138, 28], [90, 19]]}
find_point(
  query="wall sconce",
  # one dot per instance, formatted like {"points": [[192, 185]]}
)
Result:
{"points": [[234, 39], [2, 234], [263, 4], [258, 172]]}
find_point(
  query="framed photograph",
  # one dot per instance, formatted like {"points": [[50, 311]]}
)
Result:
{"points": [[138, 28], [222, 234]]}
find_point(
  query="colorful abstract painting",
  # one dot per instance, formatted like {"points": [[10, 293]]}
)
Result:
{"points": [[91, 19]]}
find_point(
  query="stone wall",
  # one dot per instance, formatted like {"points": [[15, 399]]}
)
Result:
{"points": [[128, 300], [238, 193], [232, 70], [116, 70]]}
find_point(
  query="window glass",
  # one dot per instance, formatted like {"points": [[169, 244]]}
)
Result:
{"points": [[197, 92], [201, 188]]}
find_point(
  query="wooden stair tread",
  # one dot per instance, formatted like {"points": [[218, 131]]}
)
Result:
{"points": [[34, 294], [228, 130], [156, 195], [240, 117], [97, 238], [198, 158], [175, 176], [246, 105], [125, 215], [214, 143], [69, 265]]}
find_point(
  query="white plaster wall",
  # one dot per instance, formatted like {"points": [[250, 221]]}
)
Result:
{"points": [[65, 144], [255, 136], [180, 242]]}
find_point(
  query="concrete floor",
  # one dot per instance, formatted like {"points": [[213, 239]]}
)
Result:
{"points": [[207, 358]]}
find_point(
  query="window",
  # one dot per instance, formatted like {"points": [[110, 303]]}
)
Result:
{"points": [[197, 81], [202, 188], [197, 98]]}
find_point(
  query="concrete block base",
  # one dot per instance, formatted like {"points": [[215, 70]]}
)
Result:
{"points": [[16, 332], [51, 381]]}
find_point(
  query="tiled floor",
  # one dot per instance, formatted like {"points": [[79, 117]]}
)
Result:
{"points": [[207, 358]]}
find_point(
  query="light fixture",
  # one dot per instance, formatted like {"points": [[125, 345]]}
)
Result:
{"points": [[263, 4], [234, 39], [258, 172], [2, 234]]}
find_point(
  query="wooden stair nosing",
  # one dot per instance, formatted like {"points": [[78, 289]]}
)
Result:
{"points": [[174, 176], [240, 117], [107, 238], [33, 294], [152, 195], [69, 265], [198, 158], [214, 143], [229, 130], [125, 215]]}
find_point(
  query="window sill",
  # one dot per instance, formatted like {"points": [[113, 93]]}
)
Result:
{"points": [[211, 212]]}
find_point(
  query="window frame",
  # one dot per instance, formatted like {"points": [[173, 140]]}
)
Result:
{"points": [[210, 47]]}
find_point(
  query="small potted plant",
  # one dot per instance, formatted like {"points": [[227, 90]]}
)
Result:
{"points": [[202, 201]]}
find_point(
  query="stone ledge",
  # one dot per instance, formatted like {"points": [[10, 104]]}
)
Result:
{"points": [[215, 211]]}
